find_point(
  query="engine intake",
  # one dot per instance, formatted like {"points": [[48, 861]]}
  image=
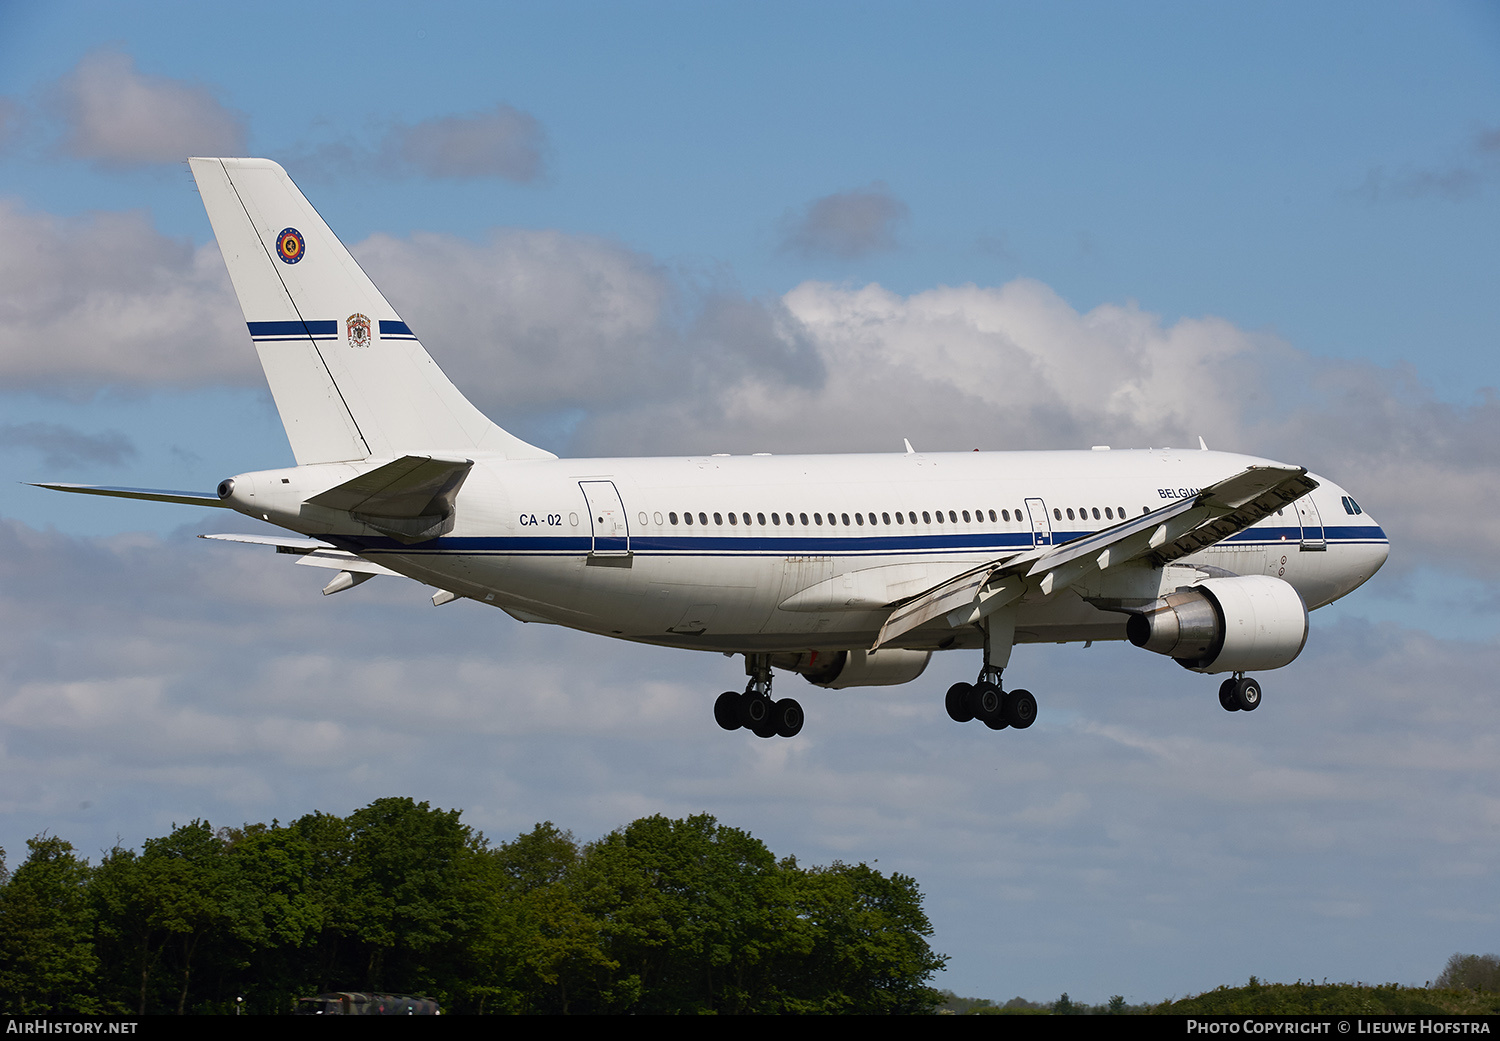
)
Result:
{"points": [[1225, 624]]}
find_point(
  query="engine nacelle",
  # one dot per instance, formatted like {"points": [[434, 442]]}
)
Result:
{"points": [[1225, 625], [839, 669]]}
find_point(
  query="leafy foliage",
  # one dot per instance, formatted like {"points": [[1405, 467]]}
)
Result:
{"points": [[1471, 972], [1329, 999], [663, 916]]}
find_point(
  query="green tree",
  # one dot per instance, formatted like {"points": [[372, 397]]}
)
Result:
{"points": [[273, 915], [1470, 972], [689, 909], [414, 889], [538, 949], [47, 962], [184, 885], [865, 938]]}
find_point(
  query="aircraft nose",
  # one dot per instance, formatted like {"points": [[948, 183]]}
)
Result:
{"points": [[1369, 555]]}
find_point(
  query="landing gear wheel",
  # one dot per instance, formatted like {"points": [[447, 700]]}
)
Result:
{"points": [[787, 716], [727, 710], [1247, 694], [1226, 695], [754, 709], [985, 701], [957, 702], [998, 723], [1019, 709]]}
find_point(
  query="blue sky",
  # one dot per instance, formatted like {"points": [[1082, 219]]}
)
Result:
{"points": [[741, 227]]}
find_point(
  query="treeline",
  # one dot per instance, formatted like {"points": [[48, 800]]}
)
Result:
{"points": [[952, 1004], [661, 916], [1469, 985], [1333, 999]]}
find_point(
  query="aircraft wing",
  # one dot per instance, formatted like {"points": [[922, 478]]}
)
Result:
{"points": [[1181, 527], [150, 494]]}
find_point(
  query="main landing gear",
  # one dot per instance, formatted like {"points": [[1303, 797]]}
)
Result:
{"points": [[986, 699], [1240, 693], [755, 709]]}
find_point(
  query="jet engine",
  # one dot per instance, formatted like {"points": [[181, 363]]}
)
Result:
{"points": [[839, 669], [1225, 624]]}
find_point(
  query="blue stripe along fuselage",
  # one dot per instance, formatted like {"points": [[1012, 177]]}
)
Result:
{"points": [[805, 545]]}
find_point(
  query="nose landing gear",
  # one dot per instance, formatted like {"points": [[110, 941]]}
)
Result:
{"points": [[1240, 693]]}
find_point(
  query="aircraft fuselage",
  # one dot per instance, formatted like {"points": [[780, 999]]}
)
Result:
{"points": [[794, 553]]}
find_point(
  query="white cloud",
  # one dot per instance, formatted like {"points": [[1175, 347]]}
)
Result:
{"points": [[106, 300], [849, 224], [503, 142], [530, 321], [115, 115], [62, 447]]}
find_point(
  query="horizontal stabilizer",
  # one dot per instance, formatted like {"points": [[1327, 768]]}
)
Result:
{"points": [[149, 494], [412, 486], [310, 552]]}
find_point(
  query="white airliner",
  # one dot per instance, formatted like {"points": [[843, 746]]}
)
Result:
{"points": [[851, 570]]}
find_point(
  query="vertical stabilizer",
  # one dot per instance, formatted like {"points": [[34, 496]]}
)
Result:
{"points": [[349, 378]]}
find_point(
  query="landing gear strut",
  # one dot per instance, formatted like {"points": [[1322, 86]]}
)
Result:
{"points": [[1240, 693], [986, 699], [755, 709]]}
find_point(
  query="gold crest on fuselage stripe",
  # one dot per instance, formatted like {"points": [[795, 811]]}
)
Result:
{"points": [[357, 330]]}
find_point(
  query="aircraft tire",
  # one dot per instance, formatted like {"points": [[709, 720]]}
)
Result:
{"points": [[1227, 696], [727, 710], [986, 701], [1247, 694], [957, 702], [754, 709], [787, 714], [1020, 709]]}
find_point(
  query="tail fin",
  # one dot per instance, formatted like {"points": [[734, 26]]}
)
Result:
{"points": [[349, 378]]}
